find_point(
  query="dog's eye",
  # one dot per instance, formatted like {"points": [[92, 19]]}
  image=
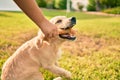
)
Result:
{"points": [[59, 21]]}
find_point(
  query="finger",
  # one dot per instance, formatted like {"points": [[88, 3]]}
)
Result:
{"points": [[56, 33], [50, 35], [61, 31], [46, 36]]}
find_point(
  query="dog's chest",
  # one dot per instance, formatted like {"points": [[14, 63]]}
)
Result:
{"points": [[54, 53], [59, 53]]}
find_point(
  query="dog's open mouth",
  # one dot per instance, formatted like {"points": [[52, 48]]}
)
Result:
{"points": [[69, 36], [66, 30]]}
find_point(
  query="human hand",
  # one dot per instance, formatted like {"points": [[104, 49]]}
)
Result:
{"points": [[49, 29]]}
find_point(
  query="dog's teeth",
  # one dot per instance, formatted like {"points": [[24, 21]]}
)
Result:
{"points": [[72, 36]]}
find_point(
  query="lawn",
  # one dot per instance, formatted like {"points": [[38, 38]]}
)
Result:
{"points": [[96, 52]]}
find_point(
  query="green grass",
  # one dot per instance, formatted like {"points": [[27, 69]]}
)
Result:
{"points": [[115, 10], [16, 28]]}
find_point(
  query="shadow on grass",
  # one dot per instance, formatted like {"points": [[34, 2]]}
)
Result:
{"points": [[4, 15], [15, 11]]}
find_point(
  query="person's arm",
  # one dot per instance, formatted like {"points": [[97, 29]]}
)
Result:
{"points": [[31, 9]]}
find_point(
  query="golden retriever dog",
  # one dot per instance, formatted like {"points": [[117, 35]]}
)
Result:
{"points": [[39, 52]]}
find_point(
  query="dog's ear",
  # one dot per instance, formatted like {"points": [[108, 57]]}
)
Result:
{"points": [[39, 40], [53, 20]]}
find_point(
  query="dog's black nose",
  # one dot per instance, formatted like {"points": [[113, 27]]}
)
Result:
{"points": [[73, 20]]}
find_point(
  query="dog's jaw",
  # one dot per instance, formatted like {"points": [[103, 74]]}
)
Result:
{"points": [[65, 36]]}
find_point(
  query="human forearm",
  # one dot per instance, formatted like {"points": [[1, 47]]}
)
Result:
{"points": [[30, 8]]}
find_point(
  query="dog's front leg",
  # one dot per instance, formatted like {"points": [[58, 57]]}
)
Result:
{"points": [[56, 63], [57, 70]]}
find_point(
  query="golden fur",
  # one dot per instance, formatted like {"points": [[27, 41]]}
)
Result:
{"points": [[38, 52]]}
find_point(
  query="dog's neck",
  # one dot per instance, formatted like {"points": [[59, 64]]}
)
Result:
{"points": [[54, 40]]}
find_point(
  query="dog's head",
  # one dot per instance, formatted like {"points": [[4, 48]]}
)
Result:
{"points": [[65, 25], [66, 32]]}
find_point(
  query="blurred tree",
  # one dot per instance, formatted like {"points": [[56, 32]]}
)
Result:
{"points": [[98, 7], [41, 3], [110, 3], [60, 4], [102, 4], [91, 6], [50, 4]]}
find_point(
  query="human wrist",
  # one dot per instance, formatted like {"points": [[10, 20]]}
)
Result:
{"points": [[44, 26], [43, 23]]}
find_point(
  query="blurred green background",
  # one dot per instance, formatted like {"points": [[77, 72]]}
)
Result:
{"points": [[95, 55]]}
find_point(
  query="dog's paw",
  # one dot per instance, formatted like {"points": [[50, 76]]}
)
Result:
{"points": [[68, 75], [58, 78]]}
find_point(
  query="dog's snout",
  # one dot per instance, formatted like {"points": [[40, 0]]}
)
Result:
{"points": [[73, 20]]}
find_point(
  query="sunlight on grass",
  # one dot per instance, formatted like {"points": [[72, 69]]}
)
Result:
{"points": [[16, 28], [103, 27]]}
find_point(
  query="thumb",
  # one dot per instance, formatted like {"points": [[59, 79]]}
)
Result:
{"points": [[60, 31]]}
